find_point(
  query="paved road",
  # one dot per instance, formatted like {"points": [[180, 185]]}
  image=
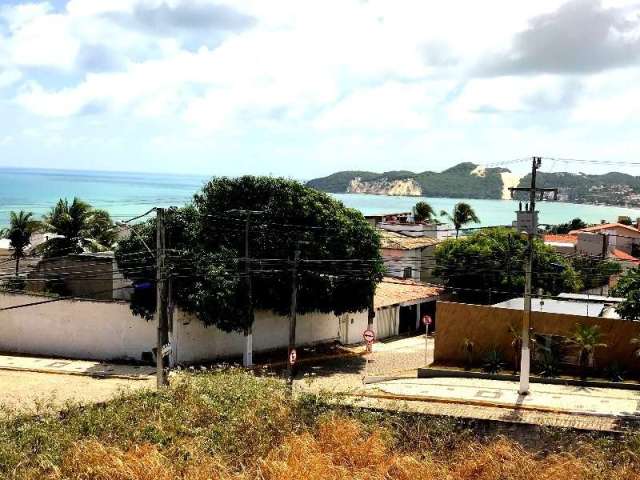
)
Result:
{"points": [[562, 398], [24, 391]]}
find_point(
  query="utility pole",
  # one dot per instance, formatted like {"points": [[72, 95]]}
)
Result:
{"points": [[294, 307], [247, 354], [161, 300], [525, 357]]}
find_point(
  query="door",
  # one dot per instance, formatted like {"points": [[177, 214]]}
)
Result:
{"points": [[343, 329]]}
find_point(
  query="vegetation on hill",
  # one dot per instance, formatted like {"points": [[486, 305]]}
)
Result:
{"points": [[207, 248], [458, 181], [231, 425], [612, 188]]}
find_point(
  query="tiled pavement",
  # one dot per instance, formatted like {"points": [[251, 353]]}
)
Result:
{"points": [[75, 367]]}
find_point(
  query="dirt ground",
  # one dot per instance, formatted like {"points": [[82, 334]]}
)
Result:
{"points": [[25, 391]]}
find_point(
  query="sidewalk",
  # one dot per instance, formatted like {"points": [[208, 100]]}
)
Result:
{"points": [[502, 394], [76, 367]]}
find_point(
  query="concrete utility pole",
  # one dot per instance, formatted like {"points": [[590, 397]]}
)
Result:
{"points": [[525, 357], [161, 300], [247, 353]]}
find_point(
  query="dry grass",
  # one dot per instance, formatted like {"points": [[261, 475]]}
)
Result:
{"points": [[341, 449]]}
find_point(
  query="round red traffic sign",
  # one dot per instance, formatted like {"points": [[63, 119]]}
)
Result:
{"points": [[292, 356], [369, 336], [426, 319]]}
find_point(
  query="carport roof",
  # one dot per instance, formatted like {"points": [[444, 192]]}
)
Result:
{"points": [[394, 291]]}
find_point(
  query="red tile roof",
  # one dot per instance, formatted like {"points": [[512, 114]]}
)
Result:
{"points": [[564, 238], [620, 255], [393, 291], [607, 226]]}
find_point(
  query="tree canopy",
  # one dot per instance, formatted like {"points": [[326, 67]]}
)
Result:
{"points": [[575, 224], [628, 286], [79, 227], [340, 259], [21, 227], [462, 214], [488, 266], [423, 212]]}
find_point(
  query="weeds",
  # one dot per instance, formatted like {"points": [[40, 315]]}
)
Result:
{"points": [[231, 425]]}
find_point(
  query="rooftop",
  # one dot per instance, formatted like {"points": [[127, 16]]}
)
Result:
{"points": [[607, 226], [397, 241], [392, 291], [620, 255], [567, 307], [564, 238]]}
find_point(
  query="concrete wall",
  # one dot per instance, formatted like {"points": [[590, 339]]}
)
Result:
{"points": [[488, 327], [195, 342], [74, 329], [108, 330]]}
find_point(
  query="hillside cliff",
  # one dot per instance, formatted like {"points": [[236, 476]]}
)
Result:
{"points": [[468, 180]]}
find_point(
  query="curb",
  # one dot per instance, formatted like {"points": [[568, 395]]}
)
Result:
{"points": [[481, 403], [78, 374]]}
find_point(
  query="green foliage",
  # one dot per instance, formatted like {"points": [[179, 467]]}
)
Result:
{"points": [[628, 286], [593, 271], [423, 212], [210, 243], [615, 372], [549, 355], [462, 215], [562, 228], [456, 179], [21, 227], [493, 361], [587, 338], [80, 227], [493, 260]]}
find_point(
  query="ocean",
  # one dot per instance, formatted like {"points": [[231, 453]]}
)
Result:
{"points": [[126, 194]]}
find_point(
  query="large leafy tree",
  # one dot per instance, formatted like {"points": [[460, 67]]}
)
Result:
{"points": [[462, 215], [21, 227], [628, 286], [488, 266], [79, 227], [340, 260]]}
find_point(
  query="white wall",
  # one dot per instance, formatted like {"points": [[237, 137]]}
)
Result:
{"points": [[195, 342], [108, 330], [74, 329]]}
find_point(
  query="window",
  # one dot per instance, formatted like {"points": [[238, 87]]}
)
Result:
{"points": [[407, 272]]}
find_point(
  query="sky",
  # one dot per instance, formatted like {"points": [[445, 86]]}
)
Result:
{"points": [[306, 88]]}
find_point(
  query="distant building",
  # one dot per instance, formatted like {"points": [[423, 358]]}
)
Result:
{"points": [[571, 304], [86, 275], [407, 256]]}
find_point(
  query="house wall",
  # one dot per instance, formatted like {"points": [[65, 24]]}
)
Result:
{"points": [[397, 260], [108, 330], [488, 328]]}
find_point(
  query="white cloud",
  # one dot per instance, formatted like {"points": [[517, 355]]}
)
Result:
{"points": [[377, 75]]}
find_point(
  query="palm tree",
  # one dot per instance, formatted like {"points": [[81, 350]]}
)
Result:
{"points": [[587, 338], [423, 212], [78, 226], [21, 227], [462, 214]]}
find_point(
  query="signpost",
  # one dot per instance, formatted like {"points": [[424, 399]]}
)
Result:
{"points": [[369, 337], [426, 320], [292, 357]]}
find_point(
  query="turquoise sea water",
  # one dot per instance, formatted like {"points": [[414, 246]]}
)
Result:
{"points": [[125, 195]]}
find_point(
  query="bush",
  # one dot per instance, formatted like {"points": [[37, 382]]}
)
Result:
{"points": [[493, 361]]}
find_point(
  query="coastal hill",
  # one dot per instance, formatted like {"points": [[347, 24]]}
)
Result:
{"points": [[469, 180]]}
